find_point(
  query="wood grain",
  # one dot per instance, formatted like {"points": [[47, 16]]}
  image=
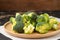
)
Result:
{"points": [[24, 5]]}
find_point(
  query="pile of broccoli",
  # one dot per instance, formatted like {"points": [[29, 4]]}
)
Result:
{"points": [[30, 22]]}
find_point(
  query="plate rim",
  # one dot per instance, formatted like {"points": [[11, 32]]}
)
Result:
{"points": [[16, 34]]}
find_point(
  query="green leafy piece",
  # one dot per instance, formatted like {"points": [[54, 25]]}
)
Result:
{"points": [[55, 27], [30, 16], [18, 17], [46, 17], [52, 21], [28, 28], [25, 18], [13, 21], [42, 27], [33, 23], [40, 19], [43, 18], [19, 27]]}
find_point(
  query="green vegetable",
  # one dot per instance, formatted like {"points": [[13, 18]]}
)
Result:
{"points": [[30, 16], [13, 21], [33, 18], [25, 18], [40, 19], [42, 27], [30, 22], [52, 21], [18, 27], [46, 17], [28, 29], [55, 27], [43, 18], [18, 17]]}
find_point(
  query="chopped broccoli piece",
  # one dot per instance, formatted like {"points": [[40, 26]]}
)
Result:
{"points": [[13, 21], [28, 29], [55, 27], [18, 27], [40, 19], [18, 17], [53, 21], [42, 27], [25, 18], [30, 16], [46, 17], [43, 18]]}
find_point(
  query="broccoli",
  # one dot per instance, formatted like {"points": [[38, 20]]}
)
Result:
{"points": [[46, 17], [25, 18], [40, 19], [28, 28], [55, 27], [42, 27], [18, 17], [18, 27], [30, 22], [13, 21], [30, 16], [33, 17], [43, 18], [52, 21]]}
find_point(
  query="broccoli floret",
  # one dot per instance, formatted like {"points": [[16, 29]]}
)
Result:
{"points": [[13, 21], [33, 17], [33, 23], [42, 27], [30, 16], [18, 17], [46, 17], [28, 29], [52, 21], [18, 27], [55, 27], [25, 18], [40, 19], [43, 18]]}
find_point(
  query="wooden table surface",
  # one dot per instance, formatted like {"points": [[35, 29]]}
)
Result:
{"points": [[23, 5]]}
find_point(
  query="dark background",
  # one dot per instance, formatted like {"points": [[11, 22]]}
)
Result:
{"points": [[8, 8], [25, 5]]}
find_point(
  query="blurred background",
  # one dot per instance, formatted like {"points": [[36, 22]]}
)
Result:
{"points": [[8, 8]]}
